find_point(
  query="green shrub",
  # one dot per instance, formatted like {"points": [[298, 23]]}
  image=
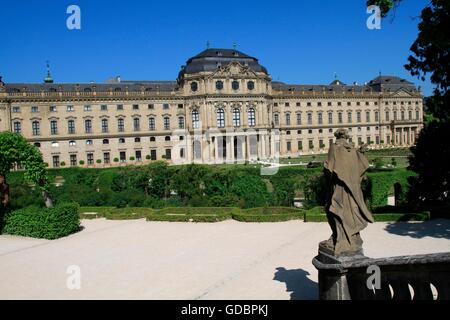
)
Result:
{"points": [[268, 214], [192, 214], [51, 223], [127, 213]]}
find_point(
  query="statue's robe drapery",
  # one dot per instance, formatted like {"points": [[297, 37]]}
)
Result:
{"points": [[346, 202]]}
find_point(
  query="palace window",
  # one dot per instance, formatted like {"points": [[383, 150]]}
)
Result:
{"points": [[167, 138], [387, 115], [309, 118], [87, 108], [395, 115], [236, 117], [235, 85], [104, 107], [120, 107], [299, 118], [339, 117], [220, 118], [168, 154], [17, 127], [276, 119], [34, 109], [70, 108], [121, 140], [71, 126], [367, 116], [288, 146], [53, 127], [251, 117], [89, 142], [194, 86], [250, 85], [166, 106], [377, 117], [137, 140], [105, 141], [136, 124], [330, 117], [320, 119], [120, 125], [90, 158], [135, 107], [219, 85], [138, 155], [16, 109], [358, 117], [349, 117], [417, 114], [166, 121], [123, 156], [288, 119], [151, 124], [195, 119], [106, 157], [73, 159], [104, 125], [403, 115], [181, 122], [88, 126], [409, 115], [151, 106], [55, 161]]}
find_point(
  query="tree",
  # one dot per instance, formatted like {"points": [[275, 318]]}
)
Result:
{"points": [[431, 56], [14, 149]]}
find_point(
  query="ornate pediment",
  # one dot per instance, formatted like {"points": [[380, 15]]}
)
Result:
{"points": [[234, 70], [401, 93]]}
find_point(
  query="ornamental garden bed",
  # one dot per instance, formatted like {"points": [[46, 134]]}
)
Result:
{"points": [[317, 214], [192, 214], [268, 214]]}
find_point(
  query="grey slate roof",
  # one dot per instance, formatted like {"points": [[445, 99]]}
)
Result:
{"points": [[165, 86], [211, 59]]}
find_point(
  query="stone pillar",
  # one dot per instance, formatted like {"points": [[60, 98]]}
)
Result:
{"points": [[263, 147], [229, 140]]}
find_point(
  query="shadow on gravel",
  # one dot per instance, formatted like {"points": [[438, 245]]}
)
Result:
{"points": [[439, 228], [297, 283]]}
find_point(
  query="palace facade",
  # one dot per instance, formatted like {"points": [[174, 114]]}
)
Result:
{"points": [[223, 108]]}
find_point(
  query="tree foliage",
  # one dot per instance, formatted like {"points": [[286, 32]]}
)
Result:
{"points": [[14, 149]]}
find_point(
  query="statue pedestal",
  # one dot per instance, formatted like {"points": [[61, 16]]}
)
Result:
{"points": [[332, 269]]}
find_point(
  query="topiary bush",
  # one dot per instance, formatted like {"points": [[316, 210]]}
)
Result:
{"points": [[47, 223]]}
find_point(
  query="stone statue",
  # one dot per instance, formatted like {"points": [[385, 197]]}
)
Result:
{"points": [[346, 210]]}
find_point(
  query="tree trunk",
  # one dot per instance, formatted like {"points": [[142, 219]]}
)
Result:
{"points": [[48, 201], [4, 192]]}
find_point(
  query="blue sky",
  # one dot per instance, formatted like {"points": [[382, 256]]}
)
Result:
{"points": [[303, 42]]}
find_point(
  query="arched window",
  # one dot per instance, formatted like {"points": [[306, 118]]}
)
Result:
{"points": [[72, 143], [37, 144], [251, 117], [195, 119], [236, 117], [235, 85], [105, 141], [220, 118], [120, 125], [194, 86], [250, 85], [167, 138], [152, 139], [87, 90], [121, 140], [55, 144]]}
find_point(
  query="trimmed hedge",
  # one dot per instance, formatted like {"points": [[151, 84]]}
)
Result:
{"points": [[128, 213], [94, 212], [192, 214], [47, 223], [268, 214]]}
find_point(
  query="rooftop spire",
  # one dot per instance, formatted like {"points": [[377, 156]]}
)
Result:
{"points": [[48, 78], [234, 45], [207, 44]]}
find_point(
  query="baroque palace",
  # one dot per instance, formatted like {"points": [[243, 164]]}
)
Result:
{"points": [[223, 108]]}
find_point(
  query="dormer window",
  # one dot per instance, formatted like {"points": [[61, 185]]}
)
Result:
{"points": [[219, 85], [194, 86], [235, 85], [250, 85]]}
